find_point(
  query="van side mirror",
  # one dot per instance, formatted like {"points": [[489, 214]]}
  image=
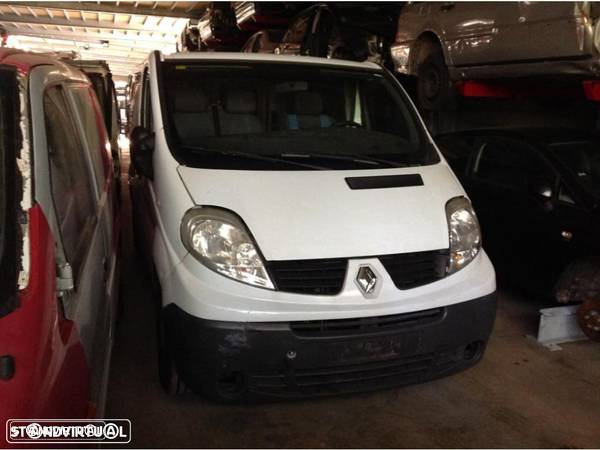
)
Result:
{"points": [[142, 147]]}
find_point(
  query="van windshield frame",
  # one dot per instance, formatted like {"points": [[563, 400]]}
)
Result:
{"points": [[350, 134]]}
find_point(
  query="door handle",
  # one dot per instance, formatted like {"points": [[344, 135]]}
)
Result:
{"points": [[447, 6]]}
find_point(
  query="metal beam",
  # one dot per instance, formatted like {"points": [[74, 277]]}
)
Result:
{"points": [[113, 39], [13, 18], [112, 7], [88, 45], [125, 57]]}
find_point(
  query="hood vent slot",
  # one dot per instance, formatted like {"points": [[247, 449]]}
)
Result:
{"points": [[385, 182]]}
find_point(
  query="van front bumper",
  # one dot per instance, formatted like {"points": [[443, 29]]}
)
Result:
{"points": [[237, 361]]}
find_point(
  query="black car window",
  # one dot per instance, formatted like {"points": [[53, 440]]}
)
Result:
{"points": [[146, 103], [4, 151], [511, 164], [582, 159], [9, 241], [323, 33], [456, 149]]}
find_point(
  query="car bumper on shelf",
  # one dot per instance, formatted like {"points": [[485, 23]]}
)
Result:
{"points": [[239, 361]]}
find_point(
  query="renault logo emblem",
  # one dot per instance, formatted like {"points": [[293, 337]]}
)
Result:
{"points": [[366, 280]]}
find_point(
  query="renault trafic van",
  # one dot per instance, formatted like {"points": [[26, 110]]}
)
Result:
{"points": [[305, 233]]}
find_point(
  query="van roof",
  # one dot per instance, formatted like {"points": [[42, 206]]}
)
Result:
{"points": [[262, 57]]}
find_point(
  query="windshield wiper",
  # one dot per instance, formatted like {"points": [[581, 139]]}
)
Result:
{"points": [[347, 157], [254, 156]]}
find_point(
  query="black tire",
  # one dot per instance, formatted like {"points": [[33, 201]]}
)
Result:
{"points": [[435, 90]]}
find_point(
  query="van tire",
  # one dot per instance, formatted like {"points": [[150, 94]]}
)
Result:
{"points": [[435, 89]]}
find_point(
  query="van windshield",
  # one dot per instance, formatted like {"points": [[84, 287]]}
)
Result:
{"points": [[284, 116]]}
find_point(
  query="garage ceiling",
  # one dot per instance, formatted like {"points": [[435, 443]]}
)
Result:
{"points": [[121, 32]]}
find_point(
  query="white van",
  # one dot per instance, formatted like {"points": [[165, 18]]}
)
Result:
{"points": [[306, 235]]}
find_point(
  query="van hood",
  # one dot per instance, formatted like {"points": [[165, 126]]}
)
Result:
{"points": [[315, 214]]}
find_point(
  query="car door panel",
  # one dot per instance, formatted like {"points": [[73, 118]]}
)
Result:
{"points": [[477, 32], [519, 227], [549, 30]]}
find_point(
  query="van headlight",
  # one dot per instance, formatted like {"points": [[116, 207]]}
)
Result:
{"points": [[464, 233], [220, 240]]}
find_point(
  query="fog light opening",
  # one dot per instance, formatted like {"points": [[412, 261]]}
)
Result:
{"points": [[473, 350], [231, 384]]}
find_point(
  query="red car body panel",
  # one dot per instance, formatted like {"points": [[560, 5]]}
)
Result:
{"points": [[51, 378]]}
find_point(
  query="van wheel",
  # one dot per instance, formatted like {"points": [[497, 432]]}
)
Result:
{"points": [[167, 372], [435, 90]]}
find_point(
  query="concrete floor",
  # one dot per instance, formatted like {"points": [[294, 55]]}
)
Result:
{"points": [[520, 395]]}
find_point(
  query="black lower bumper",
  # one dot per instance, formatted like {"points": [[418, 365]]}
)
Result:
{"points": [[235, 361]]}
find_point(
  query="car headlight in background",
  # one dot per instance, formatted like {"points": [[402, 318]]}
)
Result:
{"points": [[219, 240], [464, 233]]}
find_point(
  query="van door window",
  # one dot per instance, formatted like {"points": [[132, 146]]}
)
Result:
{"points": [[70, 179]]}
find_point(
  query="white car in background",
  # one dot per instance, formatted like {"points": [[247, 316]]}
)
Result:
{"points": [[305, 234]]}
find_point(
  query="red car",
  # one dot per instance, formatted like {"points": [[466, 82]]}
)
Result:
{"points": [[59, 235]]}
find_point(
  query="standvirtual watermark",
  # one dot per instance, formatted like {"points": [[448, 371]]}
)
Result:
{"points": [[68, 431]]}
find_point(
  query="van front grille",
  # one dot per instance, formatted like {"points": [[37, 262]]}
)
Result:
{"points": [[309, 276], [410, 270], [326, 276]]}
